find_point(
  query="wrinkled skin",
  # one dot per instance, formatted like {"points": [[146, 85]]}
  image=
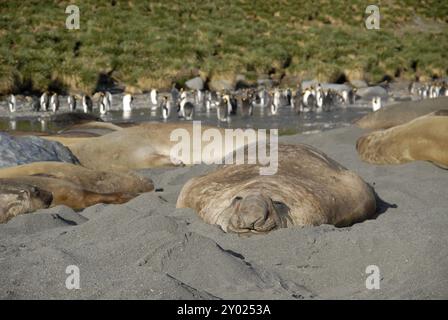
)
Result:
{"points": [[308, 189], [19, 198], [254, 213], [424, 138]]}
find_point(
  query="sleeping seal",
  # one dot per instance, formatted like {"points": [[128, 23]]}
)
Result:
{"points": [[400, 113], [425, 138], [145, 146], [92, 180], [18, 198], [70, 194], [309, 188]]}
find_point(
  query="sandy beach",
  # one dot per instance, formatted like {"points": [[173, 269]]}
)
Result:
{"points": [[148, 249]]}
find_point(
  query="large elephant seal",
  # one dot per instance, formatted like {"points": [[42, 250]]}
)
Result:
{"points": [[18, 198], [145, 146], [92, 180], [71, 118], [82, 132], [425, 138], [67, 193], [94, 128], [393, 115], [308, 189]]}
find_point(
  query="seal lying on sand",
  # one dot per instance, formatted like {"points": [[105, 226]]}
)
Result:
{"points": [[425, 138], [19, 198], [92, 180], [93, 128], [141, 146], [308, 189], [82, 132], [67, 193], [400, 113], [71, 118]]}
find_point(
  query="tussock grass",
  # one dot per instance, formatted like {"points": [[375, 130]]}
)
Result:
{"points": [[140, 45]]}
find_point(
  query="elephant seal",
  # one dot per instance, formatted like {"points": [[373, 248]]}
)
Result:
{"points": [[309, 188], [393, 115], [92, 180], [90, 128], [69, 118], [425, 138], [67, 193], [144, 146], [82, 132], [19, 198]]}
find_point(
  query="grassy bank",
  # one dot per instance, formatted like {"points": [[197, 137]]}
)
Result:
{"points": [[142, 45]]}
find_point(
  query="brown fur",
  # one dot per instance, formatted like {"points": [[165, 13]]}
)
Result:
{"points": [[308, 189], [67, 193], [397, 114], [425, 138], [92, 180], [137, 147]]}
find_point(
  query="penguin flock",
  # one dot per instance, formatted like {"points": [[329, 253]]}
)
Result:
{"points": [[184, 104], [430, 90], [244, 101]]}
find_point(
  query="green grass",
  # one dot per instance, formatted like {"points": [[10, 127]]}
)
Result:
{"points": [[141, 45]]}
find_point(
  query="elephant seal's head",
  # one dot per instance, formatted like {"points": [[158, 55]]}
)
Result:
{"points": [[19, 198], [255, 213]]}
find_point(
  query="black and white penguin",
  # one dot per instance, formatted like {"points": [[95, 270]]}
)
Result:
{"points": [[127, 102], [212, 100], [153, 98], [87, 104], [71, 101], [376, 103], [109, 101], [12, 103], [222, 109], [348, 96], [297, 99], [54, 102], [309, 100], [319, 94], [186, 107], [174, 95], [208, 101], [188, 110], [275, 105], [233, 105], [44, 101], [247, 107], [165, 107], [328, 100], [34, 103], [288, 95], [103, 103], [264, 97], [199, 97], [180, 107]]}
